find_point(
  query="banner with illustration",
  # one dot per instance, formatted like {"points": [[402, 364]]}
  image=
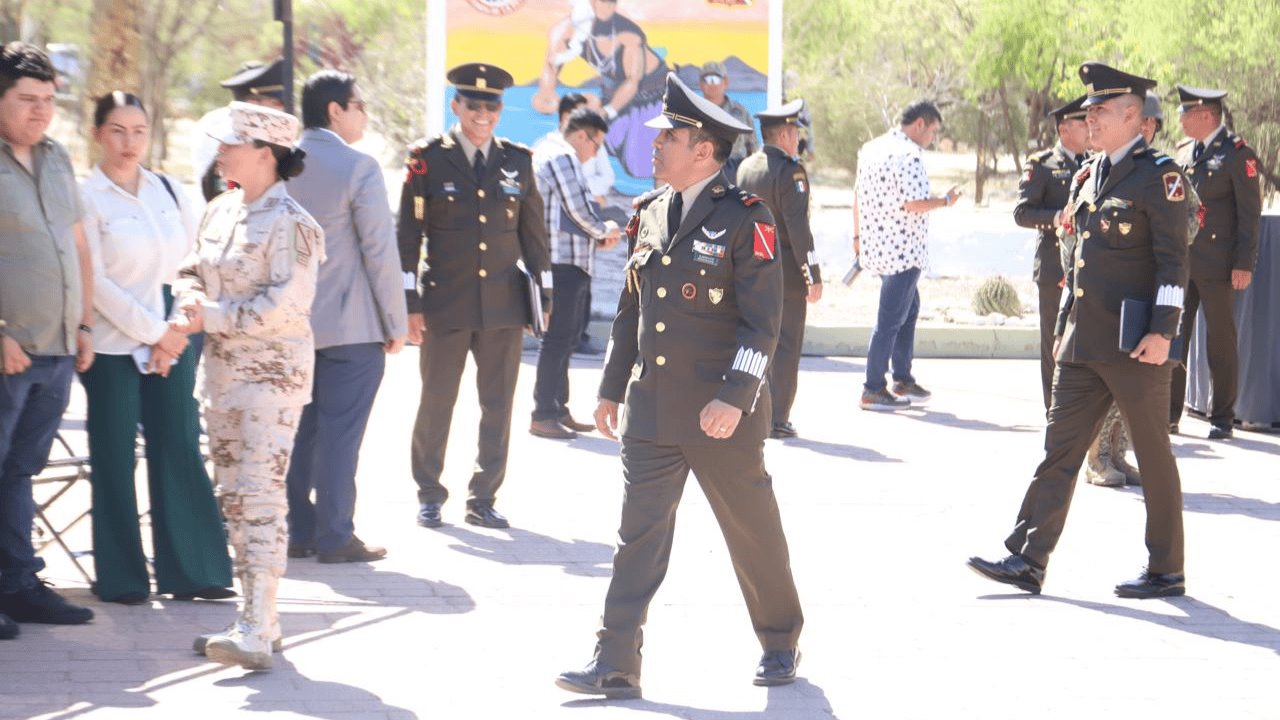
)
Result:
{"points": [[617, 53]]}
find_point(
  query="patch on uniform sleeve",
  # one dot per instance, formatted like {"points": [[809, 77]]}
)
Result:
{"points": [[801, 186], [419, 207], [1251, 167], [766, 241], [1026, 176], [1174, 191], [306, 241]]}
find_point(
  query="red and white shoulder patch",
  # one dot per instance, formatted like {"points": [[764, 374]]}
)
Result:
{"points": [[766, 241], [1251, 167], [1174, 190]]}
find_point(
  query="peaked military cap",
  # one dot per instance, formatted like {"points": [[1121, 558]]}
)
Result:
{"points": [[682, 107], [1103, 82], [1193, 97], [1073, 110], [480, 81], [256, 78], [1151, 107], [788, 114]]}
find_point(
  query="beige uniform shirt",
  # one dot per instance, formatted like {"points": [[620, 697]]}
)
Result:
{"points": [[254, 270]]}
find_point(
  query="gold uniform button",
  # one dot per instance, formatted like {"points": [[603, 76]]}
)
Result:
{"points": [[483, 219], [661, 360], [702, 272], [661, 327], [662, 292], [480, 193], [484, 246], [483, 272], [1080, 263], [666, 259], [1079, 292], [1085, 234], [1093, 208]]}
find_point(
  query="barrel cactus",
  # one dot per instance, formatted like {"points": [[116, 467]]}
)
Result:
{"points": [[997, 295]]}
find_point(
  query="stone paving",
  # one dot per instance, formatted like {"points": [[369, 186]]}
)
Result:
{"points": [[881, 512]]}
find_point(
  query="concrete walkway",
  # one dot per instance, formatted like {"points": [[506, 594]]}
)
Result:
{"points": [[881, 512]]}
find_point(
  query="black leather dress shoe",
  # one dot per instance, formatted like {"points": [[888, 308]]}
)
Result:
{"points": [[1153, 585], [1013, 570], [568, 421], [429, 515], [354, 551], [1221, 432], [484, 515], [600, 679], [783, 430], [777, 667], [8, 628], [298, 552]]}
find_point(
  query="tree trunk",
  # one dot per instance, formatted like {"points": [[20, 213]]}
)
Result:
{"points": [[980, 166], [1013, 134], [115, 51]]}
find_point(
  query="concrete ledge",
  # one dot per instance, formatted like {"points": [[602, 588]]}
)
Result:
{"points": [[936, 341]]}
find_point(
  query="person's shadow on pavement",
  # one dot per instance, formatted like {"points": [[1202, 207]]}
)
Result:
{"points": [[284, 689], [523, 547], [1200, 619], [853, 452], [801, 699], [370, 583]]}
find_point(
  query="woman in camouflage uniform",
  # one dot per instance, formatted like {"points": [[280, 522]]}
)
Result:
{"points": [[249, 285]]}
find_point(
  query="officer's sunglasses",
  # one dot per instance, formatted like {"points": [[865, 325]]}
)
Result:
{"points": [[474, 105]]}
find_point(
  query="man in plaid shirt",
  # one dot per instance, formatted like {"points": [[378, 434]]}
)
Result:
{"points": [[575, 229]]}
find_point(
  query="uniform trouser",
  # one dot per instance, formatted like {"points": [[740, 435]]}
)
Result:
{"points": [[1220, 341], [31, 407], [1082, 394], [740, 493], [186, 528], [250, 449], [327, 447], [785, 368], [551, 388], [893, 339], [443, 357], [1050, 301]]}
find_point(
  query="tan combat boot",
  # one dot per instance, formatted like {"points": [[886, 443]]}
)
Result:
{"points": [[248, 642]]}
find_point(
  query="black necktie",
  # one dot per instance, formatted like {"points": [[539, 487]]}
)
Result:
{"points": [[1079, 159], [1103, 171], [1197, 151], [674, 211], [479, 163]]}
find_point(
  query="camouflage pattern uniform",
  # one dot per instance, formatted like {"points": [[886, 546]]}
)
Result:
{"points": [[254, 271]]}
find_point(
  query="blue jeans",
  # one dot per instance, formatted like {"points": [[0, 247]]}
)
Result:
{"points": [[31, 407], [894, 336], [572, 286]]}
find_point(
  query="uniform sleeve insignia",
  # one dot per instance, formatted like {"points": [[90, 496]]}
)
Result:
{"points": [[1251, 167], [1174, 191], [419, 207], [800, 181], [633, 225], [766, 240]]}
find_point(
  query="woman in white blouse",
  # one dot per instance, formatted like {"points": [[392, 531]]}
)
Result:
{"points": [[140, 228]]}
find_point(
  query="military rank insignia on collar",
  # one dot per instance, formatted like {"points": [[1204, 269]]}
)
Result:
{"points": [[1173, 188]]}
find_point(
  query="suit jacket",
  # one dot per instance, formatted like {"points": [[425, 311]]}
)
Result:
{"points": [[697, 321], [1131, 243], [475, 230], [1227, 179], [1042, 193], [359, 294], [783, 183]]}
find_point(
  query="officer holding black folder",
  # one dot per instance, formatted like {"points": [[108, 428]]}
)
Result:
{"points": [[1128, 208]]}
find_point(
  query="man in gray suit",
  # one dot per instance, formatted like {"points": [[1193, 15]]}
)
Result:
{"points": [[358, 316]]}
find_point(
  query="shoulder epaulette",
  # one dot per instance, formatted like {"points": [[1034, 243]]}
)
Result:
{"points": [[1237, 140], [747, 198], [1039, 157], [640, 201], [517, 146], [1160, 157]]}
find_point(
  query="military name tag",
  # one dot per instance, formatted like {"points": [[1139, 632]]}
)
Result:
{"points": [[510, 188], [1063, 173], [707, 253]]}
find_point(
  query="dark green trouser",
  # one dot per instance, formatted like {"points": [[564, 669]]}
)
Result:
{"points": [[186, 527]]}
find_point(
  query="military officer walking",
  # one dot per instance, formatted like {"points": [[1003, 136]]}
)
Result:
{"points": [[689, 354], [469, 212], [775, 174], [1041, 196], [1224, 172], [1128, 204]]}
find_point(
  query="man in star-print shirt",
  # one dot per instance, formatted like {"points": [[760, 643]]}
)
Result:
{"points": [[891, 231]]}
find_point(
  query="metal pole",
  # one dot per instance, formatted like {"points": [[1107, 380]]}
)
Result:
{"points": [[284, 14]]}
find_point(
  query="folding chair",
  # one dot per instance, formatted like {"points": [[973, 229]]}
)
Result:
{"points": [[64, 470]]}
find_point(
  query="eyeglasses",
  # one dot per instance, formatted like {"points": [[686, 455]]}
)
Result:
{"points": [[712, 79], [360, 105], [474, 105]]}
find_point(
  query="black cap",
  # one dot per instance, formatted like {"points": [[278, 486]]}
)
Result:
{"points": [[1073, 110], [258, 79], [480, 81], [1103, 82], [788, 114], [682, 107], [1192, 97]]}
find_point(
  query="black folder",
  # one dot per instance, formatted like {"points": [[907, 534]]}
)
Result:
{"points": [[533, 300], [1135, 323]]}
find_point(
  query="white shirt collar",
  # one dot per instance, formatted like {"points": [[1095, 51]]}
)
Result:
{"points": [[1118, 155], [469, 149], [691, 193]]}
